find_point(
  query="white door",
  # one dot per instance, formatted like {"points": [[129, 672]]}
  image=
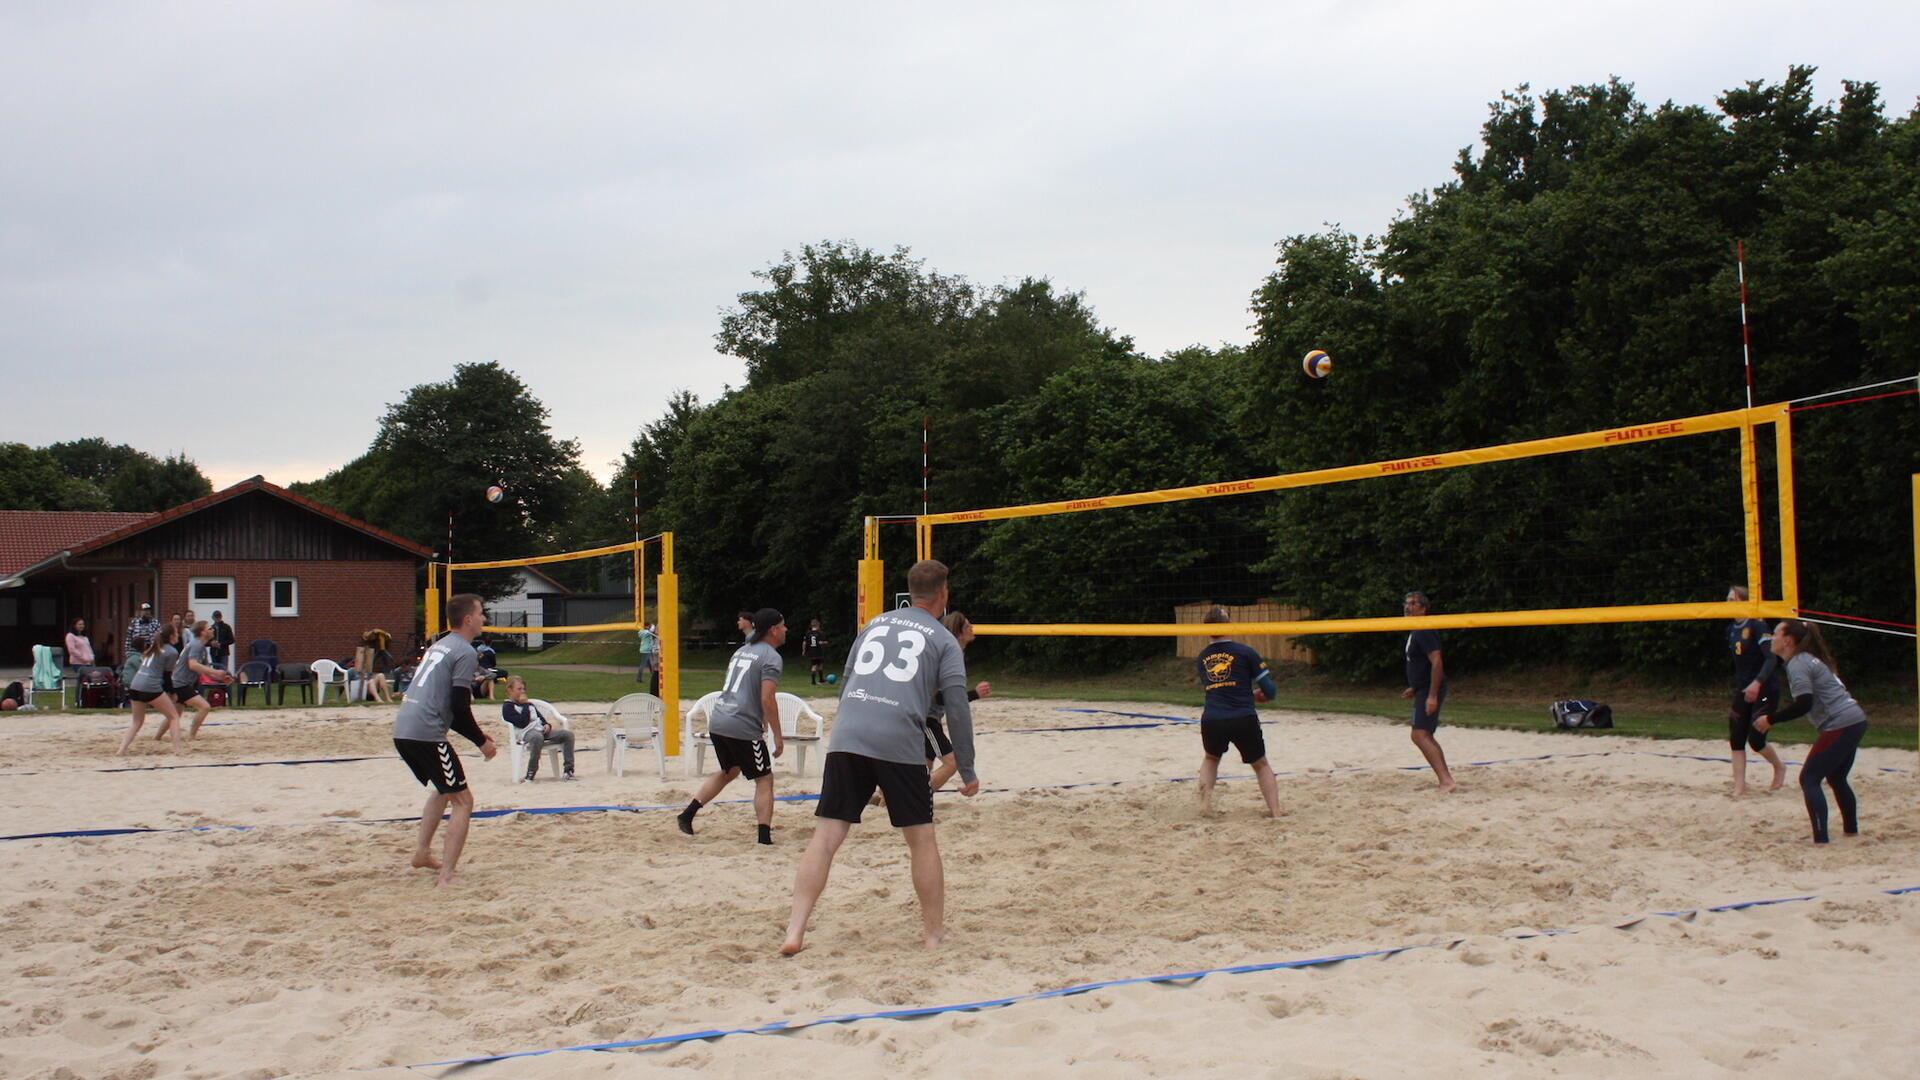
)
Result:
{"points": [[206, 595]]}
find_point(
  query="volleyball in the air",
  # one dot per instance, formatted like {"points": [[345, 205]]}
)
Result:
{"points": [[495, 493], [1317, 364]]}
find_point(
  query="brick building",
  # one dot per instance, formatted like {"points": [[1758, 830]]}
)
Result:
{"points": [[279, 566]]}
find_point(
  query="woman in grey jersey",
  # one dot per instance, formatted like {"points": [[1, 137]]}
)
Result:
{"points": [[148, 687], [194, 664], [939, 747], [1815, 691]]}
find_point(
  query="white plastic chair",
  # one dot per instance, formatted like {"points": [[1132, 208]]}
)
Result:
{"points": [[793, 710], [634, 720], [700, 739], [516, 741], [327, 674]]}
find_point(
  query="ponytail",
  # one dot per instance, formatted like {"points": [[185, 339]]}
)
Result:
{"points": [[161, 639], [1807, 638]]}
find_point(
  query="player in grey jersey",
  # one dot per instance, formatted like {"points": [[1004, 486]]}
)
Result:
{"points": [[441, 698], [739, 720], [899, 663], [194, 664]]}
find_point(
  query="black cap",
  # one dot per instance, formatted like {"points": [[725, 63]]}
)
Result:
{"points": [[764, 620]]}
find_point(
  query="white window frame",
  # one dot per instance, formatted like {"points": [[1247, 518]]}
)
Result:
{"points": [[273, 594]]}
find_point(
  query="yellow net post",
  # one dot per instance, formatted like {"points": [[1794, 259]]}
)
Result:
{"points": [[870, 581], [668, 601], [432, 603], [1916, 574], [1789, 546]]}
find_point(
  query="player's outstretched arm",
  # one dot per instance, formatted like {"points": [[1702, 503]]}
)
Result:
{"points": [[960, 730]]}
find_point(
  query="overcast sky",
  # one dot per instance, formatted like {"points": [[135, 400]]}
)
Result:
{"points": [[240, 230]]}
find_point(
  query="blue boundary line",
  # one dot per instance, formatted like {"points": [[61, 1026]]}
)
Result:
{"points": [[622, 808], [1178, 979]]}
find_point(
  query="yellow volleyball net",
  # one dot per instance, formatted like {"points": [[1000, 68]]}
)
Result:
{"points": [[611, 587], [1038, 570]]}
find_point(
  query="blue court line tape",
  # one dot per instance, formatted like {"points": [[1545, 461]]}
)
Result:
{"points": [[500, 812], [229, 764], [1164, 718], [1176, 979], [241, 764]]}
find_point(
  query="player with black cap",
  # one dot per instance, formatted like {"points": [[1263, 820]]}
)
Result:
{"points": [[738, 723]]}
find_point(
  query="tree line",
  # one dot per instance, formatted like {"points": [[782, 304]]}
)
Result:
{"points": [[1575, 272]]}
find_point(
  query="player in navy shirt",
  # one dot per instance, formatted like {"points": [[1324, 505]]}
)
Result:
{"points": [[1756, 692], [1234, 677], [1427, 686]]}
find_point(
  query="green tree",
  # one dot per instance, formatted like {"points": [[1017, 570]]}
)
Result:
{"points": [[32, 479], [133, 480], [437, 452]]}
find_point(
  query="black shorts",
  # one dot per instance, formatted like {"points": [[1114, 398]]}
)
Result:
{"points": [[1423, 720], [847, 782], [184, 694], [938, 745], [750, 756], [1740, 721], [1242, 732], [145, 697], [433, 763]]}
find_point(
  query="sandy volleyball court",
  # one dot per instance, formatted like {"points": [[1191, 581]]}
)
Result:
{"points": [[304, 947]]}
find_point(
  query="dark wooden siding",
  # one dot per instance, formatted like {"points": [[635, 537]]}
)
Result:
{"points": [[251, 526]]}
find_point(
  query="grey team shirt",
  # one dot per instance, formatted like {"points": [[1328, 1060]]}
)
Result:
{"points": [[898, 668], [150, 678], [737, 714], [427, 709], [195, 653], [1833, 707]]}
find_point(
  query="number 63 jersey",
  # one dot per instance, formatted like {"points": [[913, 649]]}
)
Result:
{"points": [[895, 672]]}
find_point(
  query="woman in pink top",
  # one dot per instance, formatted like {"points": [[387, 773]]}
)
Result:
{"points": [[79, 649]]}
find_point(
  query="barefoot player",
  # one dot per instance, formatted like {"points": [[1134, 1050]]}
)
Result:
{"points": [[898, 663], [1234, 678], [195, 666], [738, 723], [1427, 687], [441, 697]]}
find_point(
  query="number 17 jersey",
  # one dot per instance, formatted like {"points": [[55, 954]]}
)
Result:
{"points": [[895, 672]]}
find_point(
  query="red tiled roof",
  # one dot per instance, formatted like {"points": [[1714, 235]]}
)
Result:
{"points": [[257, 483], [31, 536]]}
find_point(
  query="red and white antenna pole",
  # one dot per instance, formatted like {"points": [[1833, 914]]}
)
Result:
{"points": [[1746, 332]]}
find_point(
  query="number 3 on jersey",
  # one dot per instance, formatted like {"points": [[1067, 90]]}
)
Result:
{"points": [[873, 653]]}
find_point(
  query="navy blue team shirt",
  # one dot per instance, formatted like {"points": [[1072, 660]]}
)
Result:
{"points": [[1749, 642], [1228, 671], [1419, 668]]}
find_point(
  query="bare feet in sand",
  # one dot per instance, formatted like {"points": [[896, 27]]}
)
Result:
{"points": [[792, 946], [425, 862], [1449, 788], [933, 940], [1779, 780], [445, 880]]}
